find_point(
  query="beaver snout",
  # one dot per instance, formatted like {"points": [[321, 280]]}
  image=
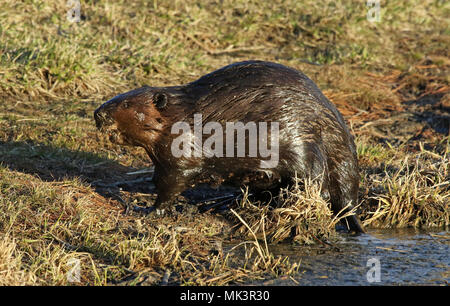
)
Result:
{"points": [[103, 118]]}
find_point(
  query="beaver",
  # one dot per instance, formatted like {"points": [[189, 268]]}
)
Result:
{"points": [[308, 135]]}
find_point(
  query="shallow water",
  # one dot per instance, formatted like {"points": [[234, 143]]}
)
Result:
{"points": [[380, 257]]}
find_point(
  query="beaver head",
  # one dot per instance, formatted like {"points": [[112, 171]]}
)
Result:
{"points": [[133, 118]]}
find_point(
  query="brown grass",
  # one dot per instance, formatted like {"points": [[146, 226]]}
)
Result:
{"points": [[412, 192], [298, 213]]}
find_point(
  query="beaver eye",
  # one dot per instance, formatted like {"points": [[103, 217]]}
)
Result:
{"points": [[125, 104]]}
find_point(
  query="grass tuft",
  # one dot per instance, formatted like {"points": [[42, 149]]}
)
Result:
{"points": [[299, 214]]}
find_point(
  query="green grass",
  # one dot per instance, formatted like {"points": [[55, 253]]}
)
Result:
{"points": [[54, 73]]}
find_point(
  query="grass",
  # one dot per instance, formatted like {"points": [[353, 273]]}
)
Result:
{"points": [[410, 192], [298, 213], [64, 188]]}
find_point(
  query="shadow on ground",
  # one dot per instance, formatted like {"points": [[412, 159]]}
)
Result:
{"points": [[107, 177]]}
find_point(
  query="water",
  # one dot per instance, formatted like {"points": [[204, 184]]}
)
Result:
{"points": [[380, 257]]}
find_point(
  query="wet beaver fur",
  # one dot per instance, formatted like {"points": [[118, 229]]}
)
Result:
{"points": [[313, 142]]}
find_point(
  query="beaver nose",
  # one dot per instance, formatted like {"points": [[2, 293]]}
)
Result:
{"points": [[102, 117]]}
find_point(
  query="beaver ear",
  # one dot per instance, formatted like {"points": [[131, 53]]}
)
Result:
{"points": [[160, 100]]}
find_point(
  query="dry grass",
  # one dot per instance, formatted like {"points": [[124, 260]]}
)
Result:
{"points": [[58, 222], [11, 269], [410, 192], [298, 213], [54, 73]]}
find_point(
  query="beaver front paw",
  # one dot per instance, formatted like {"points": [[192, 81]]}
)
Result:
{"points": [[153, 211]]}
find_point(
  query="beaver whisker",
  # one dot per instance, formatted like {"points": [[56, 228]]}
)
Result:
{"points": [[150, 128]]}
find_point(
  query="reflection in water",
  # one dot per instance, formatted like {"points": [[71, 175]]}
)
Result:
{"points": [[381, 257]]}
